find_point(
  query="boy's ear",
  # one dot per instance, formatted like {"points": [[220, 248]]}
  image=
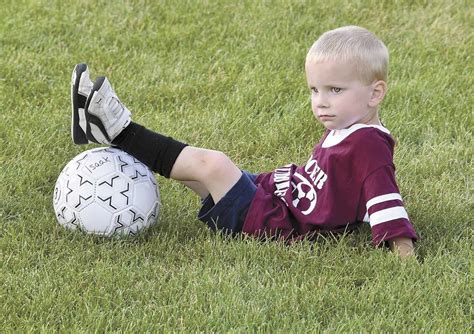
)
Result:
{"points": [[379, 89]]}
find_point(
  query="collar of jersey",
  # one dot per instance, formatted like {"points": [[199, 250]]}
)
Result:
{"points": [[334, 139]]}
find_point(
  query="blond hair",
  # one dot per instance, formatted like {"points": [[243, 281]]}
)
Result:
{"points": [[355, 45]]}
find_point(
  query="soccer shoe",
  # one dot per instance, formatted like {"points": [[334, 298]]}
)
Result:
{"points": [[106, 116], [81, 86]]}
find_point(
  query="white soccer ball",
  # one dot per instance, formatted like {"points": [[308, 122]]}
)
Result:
{"points": [[107, 192]]}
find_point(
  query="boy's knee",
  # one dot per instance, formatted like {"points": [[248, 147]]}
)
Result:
{"points": [[216, 172], [216, 163]]}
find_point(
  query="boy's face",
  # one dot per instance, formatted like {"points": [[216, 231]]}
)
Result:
{"points": [[338, 98]]}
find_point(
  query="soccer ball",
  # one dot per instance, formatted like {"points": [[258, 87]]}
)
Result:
{"points": [[107, 192]]}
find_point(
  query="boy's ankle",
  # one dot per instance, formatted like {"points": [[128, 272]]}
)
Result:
{"points": [[124, 138]]}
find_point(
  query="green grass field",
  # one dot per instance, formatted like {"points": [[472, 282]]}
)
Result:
{"points": [[229, 75]]}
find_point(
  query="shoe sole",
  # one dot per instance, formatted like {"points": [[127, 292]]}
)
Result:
{"points": [[92, 118], [78, 135]]}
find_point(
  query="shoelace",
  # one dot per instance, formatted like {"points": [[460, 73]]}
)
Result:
{"points": [[115, 105]]}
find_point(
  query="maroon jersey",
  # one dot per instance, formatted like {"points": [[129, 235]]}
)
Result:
{"points": [[349, 178]]}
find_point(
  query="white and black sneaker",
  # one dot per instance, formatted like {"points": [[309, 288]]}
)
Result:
{"points": [[106, 116], [81, 86]]}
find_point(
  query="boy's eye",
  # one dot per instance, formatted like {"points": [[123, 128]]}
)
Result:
{"points": [[314, 90], [336, 90]]}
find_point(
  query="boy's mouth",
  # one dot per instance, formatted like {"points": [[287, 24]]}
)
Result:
{"points": [[325, 116]]}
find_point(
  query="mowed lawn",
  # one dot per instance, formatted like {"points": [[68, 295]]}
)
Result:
{"points": [[229, 75]]}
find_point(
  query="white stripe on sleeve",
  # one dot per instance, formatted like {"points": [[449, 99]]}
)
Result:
{"points": [[383, 198], [366, 217], [386, 215]]}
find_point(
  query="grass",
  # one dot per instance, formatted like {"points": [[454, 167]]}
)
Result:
{"points": [[229, 75]]}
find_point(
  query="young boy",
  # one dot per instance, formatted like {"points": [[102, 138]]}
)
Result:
{"points": [[348, 179]]}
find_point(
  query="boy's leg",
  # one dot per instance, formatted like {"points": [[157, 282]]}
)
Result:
{"points": [[205, 171], [213, 169], [197, 187], [108, 121]]}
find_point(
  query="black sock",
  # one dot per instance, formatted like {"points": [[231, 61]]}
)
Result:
{"points": [[156, 151]]}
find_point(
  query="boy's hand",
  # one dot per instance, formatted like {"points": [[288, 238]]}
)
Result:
{"points": [[402, 246]]}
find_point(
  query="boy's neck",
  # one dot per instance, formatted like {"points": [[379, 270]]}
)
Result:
{"points": [[372, 121]]}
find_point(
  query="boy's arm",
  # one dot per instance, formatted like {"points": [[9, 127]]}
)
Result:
{"points": [[402, 246]]}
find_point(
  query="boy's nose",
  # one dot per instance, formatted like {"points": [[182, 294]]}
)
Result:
{"points": [[321, 102]]}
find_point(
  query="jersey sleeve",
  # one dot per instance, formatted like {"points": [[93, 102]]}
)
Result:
{"points": [[384, 208]]}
